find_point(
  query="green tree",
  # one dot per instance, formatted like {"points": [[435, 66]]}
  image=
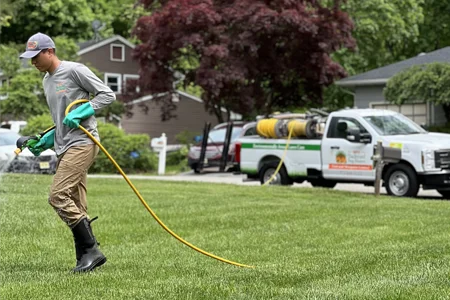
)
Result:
{"points": [[6, 13], [435, 28], [52, 17], [66, 48], [425, 83], [9, 60], [385, 32], [25, 95]]}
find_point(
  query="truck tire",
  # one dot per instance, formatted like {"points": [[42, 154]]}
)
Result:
{"points": [[266, 171], [323, 183], [401, 180], [445, 193]]}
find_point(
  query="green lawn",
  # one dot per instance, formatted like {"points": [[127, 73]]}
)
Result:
{"points": [[304, 243]]}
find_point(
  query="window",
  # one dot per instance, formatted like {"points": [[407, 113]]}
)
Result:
{"points": [[341, 126], [393, 125], [114, 81], [250, 131], [130, 77], [3, 82], [117, 52]]}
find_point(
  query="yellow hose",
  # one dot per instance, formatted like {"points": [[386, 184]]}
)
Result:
{"points": [[142, 199], [282, 158]]}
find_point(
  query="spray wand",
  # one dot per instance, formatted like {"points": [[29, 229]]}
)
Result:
{"points": [[29, 141]]}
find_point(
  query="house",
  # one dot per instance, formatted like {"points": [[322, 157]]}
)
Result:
{"points": [[367, 89], [190, 115], [112, 57]]}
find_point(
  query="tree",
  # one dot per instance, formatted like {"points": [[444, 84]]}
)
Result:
{"points": [[435, 28], [6, 12], [52, 17], [385, 32], [9, 60], [253, 56], [425, 83], [25, 95]]}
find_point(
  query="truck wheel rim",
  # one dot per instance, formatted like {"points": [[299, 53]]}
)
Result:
{"points": [[399, 183], [268, 174]]}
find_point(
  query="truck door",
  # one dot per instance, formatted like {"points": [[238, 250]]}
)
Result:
{"points": [[347, 151]]}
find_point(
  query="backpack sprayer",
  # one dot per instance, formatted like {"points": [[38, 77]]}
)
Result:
{"points": [[29, 141]]}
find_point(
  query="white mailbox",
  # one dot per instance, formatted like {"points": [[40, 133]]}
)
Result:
{"points": [[160, 145]]}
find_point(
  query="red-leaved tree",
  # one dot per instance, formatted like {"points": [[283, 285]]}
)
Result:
{"points": [[249, 56]]}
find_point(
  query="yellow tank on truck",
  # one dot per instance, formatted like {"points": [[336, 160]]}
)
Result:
{"points": [[276, 128]]}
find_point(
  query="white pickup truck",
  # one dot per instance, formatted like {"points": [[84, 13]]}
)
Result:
{"points": [[343, 153]]}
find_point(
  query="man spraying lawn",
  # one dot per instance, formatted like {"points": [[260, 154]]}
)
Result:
{"points": [[65, 82]]}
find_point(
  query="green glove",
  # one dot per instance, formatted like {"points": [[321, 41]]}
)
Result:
{"points": [[77, 115], [45, 142]]}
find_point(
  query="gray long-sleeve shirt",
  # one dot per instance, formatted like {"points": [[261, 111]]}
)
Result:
{"points": [[69, 82]]}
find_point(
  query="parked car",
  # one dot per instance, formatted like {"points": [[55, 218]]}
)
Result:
{"points": [[15, 126], [216, 141], [25, 162]]}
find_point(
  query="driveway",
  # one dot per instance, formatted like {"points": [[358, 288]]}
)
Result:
{"points": [[230, 178]]}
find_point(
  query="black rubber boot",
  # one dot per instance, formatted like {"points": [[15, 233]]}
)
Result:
{"points": [[78, 244], [86, 245]]}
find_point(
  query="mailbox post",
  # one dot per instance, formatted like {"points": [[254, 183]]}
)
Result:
{"points": [[383, 155], [160, 146]]}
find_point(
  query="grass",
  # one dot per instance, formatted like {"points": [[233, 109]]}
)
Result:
{"points": [[304, 243]]}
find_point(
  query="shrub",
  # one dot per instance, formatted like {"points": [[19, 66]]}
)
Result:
{"points": [[442, 129], [130, 151], [37, 124], [186, 137], [176, 157]]}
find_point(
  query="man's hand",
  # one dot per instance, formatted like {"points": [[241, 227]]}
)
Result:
{"points": [[77, 115], [45, 142]]}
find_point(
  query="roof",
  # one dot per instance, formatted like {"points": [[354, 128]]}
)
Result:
{"points": [[381, 75], [91, 45], [233, 115]]}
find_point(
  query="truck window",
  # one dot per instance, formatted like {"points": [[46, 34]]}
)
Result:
{"points": [[340, 126], [250, 131]]}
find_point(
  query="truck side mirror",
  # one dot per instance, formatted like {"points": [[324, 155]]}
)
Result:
{"points": [[354, 135]]}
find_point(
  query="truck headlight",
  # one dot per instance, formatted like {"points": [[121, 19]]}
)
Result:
{"points": [[428, 162]]}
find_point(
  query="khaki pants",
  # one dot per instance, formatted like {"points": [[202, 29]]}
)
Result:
{"points": [[68, 191]]}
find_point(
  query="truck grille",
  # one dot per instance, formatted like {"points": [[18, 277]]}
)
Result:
{"points": [[442, 158]]}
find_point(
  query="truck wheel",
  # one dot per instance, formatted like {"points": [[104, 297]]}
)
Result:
{"points": [[322, 183], [267, 170], [401, 181], [445, 193]]}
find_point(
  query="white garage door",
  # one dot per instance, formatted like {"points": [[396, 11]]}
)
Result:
{"points": [[415, 111]]}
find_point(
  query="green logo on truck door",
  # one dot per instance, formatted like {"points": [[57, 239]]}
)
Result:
{"points": [[280, 146]]}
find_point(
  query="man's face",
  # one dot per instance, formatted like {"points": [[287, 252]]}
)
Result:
{"points": [[43, 60]]}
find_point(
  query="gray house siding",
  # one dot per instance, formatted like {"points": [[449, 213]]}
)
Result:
{"points": [[191, 116], [365, 95], [100, 59]]}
